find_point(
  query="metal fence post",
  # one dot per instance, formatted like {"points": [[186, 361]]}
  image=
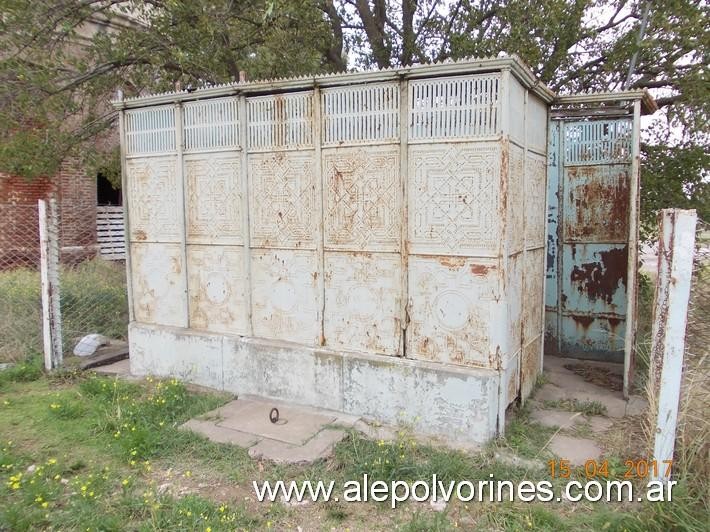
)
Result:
{"points": [[675, 265], [49, 271]]}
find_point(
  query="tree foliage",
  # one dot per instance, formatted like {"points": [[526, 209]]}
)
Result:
{"points": [[56, 79]]}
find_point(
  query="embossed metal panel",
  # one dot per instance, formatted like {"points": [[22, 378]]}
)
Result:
{"points": [[457, 107], [451, 306], [154, 206], [158, 280], [282, 200], [532, 320], [454, 195], [596, 203], [363, 199], [361, 113], [587, 296], [535, 197], [217, 288], [516, 199], [285, 300], [213, 198], [362, 301], [150, 130], [211, 125], [553, 222], [280, 121]]}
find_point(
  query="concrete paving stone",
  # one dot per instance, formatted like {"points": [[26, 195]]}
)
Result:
{"points": [[218, 434], [295, 427], [556, 418], [599, 423], [120, 368], [318, 447], [576, 450]]}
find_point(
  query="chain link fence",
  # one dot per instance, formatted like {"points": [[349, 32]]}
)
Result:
{"points": [[91, 290], [20, 296]]}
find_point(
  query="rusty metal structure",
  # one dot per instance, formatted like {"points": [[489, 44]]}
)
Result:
{"points": [[373, 243]]}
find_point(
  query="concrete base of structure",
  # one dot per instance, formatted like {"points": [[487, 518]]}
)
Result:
{"points": [[459, 405]]}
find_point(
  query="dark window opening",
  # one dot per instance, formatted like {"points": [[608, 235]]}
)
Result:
{"points": [[106, 194]]}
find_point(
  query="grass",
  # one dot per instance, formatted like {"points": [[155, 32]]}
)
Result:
{"points": [[588, 408], [82, 452], [93, 299]]}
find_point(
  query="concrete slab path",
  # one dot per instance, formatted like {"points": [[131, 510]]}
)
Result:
{"points": [[564, 386], [301, 434]]}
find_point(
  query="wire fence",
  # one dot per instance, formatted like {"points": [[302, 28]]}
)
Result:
{"points": [[91, 290], [21, 314]]}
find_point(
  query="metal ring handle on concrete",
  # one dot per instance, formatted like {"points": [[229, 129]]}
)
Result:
{"points": [[274, 415]]}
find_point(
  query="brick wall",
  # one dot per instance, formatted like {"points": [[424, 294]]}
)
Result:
{"points": [[76, 197]]}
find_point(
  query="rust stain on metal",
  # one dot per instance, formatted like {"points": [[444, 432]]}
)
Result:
{"points": [[453, 263], [600, 280], [480, 269], [584, 321], [139, 235], [600, 208]]}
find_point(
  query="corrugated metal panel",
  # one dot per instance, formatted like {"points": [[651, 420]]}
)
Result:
{"points": [[463, 107], [150, 130], [284, 121], [365, 113], [211, 125]]}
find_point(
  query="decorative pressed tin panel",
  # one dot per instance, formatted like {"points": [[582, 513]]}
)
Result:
{"points": [[360, 113], [362, 198], [462, 107], [535, 197], [516, 198], [158, 281], [211, 124], [453, 198], [216, 288], [533, 280], [285, 301], [597, 142], [154, 204], [280, 121], [282, 200], [214, 212], [362, 301], [150, 130], [451, 305]]}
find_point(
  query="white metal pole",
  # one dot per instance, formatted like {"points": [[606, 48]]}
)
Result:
{"points": [[675, 266]]}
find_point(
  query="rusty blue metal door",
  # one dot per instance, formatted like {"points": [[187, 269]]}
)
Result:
{"points": [[589, 215]]}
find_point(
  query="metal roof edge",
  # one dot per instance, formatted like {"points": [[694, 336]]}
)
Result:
{"points": [[648, 103], [459, 67]]}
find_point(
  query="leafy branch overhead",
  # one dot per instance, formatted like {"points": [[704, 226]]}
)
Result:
{"points": [[63, 59]]}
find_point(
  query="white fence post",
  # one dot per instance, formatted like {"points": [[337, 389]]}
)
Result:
{"points": [[49, 271], [675, 266]]}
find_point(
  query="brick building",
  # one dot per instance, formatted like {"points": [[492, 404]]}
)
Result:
{"points": [[76, 196]]}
